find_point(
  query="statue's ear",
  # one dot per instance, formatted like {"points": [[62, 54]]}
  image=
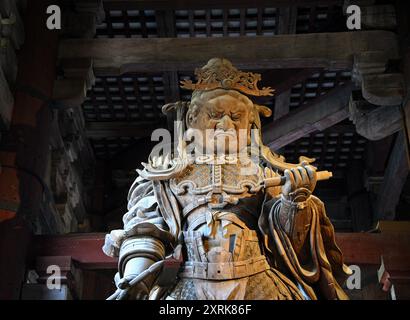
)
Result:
{"points": [[177, 109], [169, 107], [263, 110], [189, 118]]}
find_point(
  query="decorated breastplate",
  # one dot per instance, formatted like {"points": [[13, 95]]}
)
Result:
{"points": [[216, 182]]}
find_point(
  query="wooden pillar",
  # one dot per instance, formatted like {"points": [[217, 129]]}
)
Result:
{"points": [[25, 148], [358, 197], [395, 176], [286, 25], [166, 29], [98, 196]]}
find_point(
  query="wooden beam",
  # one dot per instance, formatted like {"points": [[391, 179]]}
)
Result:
{"points": [[286, 24], [71, 90], [324, 112], [385, 89], [84, 249], [171, 90], [394, 179], [166, 28], [388, 226], [357, 248], [375, 122], [287, 18], [101, 129], [323, 50], [368, 248], [284, 79], [377, 156]]}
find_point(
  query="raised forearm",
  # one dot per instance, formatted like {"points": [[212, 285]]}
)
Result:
{"points": [[137, 254], [149, 248]]}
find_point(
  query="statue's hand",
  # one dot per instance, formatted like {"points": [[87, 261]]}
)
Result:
{"points": [[138, 291], [141, 289], [300, 182]]}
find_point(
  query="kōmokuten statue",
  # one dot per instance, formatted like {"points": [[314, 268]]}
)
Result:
{"points": [[221, 216]]}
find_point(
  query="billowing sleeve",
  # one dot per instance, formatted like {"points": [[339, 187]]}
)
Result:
{"points": [[143, 218], [302, 239]]}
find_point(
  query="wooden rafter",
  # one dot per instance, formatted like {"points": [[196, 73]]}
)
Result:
{"points": [[321, 114], [284, 79], [322, 50], [395, 176]]}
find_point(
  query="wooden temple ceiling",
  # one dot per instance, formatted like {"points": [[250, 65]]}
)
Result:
{"points": [[340, 98], [217, 22]]}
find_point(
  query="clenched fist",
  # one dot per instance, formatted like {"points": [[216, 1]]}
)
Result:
{"points": [[300, 182]]}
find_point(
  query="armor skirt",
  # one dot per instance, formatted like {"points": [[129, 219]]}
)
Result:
{"points": [[266, 285]]}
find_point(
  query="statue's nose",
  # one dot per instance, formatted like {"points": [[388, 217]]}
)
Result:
{"points": [[225, 123]]}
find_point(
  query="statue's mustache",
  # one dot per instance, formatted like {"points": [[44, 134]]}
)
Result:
{"points": [[220, 132]]}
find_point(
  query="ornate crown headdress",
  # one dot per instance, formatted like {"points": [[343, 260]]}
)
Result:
{"points": [[220, 73]]}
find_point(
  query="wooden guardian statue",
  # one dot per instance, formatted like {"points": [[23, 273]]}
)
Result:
{"points": [[221, 216]]}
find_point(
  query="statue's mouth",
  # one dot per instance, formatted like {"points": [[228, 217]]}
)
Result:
{"points": [[223, 133]]}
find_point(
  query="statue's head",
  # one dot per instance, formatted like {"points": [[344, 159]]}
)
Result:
{"points": [[221, 115], [221, 118]]}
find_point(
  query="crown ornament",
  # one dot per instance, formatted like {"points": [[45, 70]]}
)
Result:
{"points": [[221, 74]]}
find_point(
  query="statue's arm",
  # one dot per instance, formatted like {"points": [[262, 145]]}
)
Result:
{"points": [[295, 219], [292, 204], [143, 241]]}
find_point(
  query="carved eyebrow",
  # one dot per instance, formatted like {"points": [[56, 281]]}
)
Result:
{"points": [[215, 108], [238, 108], [237, 111], [215, 114]]}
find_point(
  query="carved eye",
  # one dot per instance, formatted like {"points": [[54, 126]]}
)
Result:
{"points": [[236, 117], [214, 115]]}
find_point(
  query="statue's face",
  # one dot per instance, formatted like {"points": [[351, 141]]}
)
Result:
{"points": [[223, 122]]}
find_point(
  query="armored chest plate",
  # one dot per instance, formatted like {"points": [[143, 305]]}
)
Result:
{"points": [[230, 178]]}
